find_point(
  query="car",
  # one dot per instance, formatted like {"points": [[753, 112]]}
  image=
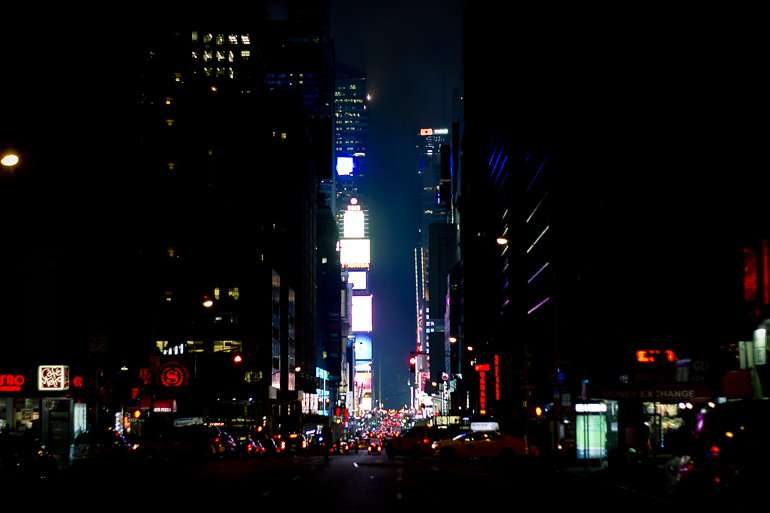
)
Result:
{"points": [[374, 448], [727, 457], [249, 446], [418, 441], [481, 444], [100, 446], [291, 443], [193, 442]]}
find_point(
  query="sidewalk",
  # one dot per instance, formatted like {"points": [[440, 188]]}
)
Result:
{"points": [[646, 480]]}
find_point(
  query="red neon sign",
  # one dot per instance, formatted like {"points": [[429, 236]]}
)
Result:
{"points": [[11, 382], [482, 369], [750, 279], [497, 377], [652, 355], [77, 382], [146, 376], [765, 273], [174, 375]]}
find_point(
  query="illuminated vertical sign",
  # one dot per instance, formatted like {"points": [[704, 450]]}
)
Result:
{"points": [[354, 223], [357, 279], [497, 377], [750, 282], [362, 314], [765, 273], [482, 370], [355, 253]]}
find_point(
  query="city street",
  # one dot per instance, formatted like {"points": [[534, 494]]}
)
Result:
{"points": [[353, 483]]}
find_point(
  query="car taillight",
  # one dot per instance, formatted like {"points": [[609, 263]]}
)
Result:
{"points": [[283, 445], [715, 450]]}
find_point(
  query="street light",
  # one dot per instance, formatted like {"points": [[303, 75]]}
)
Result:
{"points": [[208, 303], [297, 369], [10, 159], [452, 339], [502, 241]]}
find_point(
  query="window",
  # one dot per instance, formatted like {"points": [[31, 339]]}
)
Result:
{"points": [[168, 100], [284, 136], [220, 39], [220, 55], [207, 38], [195, 36], [216, 293], [194, 55], [170, 122], [233, 39], [234, 293], [245, 53], [195, 346], [171, 252], [168, 296], [177, 77], [161, 345], [227, 346], [245, 39], [207, 71], [207, 55], [230, 56]]}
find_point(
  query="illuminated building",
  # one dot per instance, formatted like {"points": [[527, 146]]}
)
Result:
{"points": [[355, 260], [434, 255]]}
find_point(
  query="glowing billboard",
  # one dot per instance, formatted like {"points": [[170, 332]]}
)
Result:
{"points": [[355, 253], [440, 131], [353, 224], [362, 314], [357, 279], [363, 347], [345, 166]]}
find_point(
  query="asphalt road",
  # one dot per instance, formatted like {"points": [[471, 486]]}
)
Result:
{"points": [[353, 483]]}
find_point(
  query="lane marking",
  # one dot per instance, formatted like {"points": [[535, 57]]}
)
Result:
{"points": [[399, 496], [355, 464]]}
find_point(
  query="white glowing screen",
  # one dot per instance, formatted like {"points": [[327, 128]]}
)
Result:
{"points": [[355, 253], [357, 279], [354, 224], [344, 166], [362, 313]]}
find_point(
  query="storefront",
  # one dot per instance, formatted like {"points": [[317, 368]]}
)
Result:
{"points": [[40, 401]]}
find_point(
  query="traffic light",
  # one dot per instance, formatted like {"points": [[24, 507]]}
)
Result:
{"points": [[237, 359], [412, 361]]}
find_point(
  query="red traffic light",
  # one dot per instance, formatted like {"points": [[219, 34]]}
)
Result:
{"points": [[412, 360]]}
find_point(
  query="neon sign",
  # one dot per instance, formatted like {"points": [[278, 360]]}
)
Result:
{"points": [[482, 370], [174, 375], [11, 382], [653, 355]]}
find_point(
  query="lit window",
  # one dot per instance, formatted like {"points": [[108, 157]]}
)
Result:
{"points": [[245, 39], [207, 55], [168, 100], [171, 252], [177, 77], [195, 346], [245, 53], [207, 38], [170, 122], [220, 39], [227, 346], [284, 136], [230, 56], [194, 36], [216, 293], [207, 71], [233, 39], [220, 55], [324, 260], [168, 296], [234, 293], [194, 55], [161, 345], [171, 166], [231, 72]]}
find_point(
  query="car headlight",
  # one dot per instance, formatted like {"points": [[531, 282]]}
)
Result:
{"points": [[434, 445]]}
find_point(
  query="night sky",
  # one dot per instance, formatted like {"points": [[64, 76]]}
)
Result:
{"points": [[411, 53]]}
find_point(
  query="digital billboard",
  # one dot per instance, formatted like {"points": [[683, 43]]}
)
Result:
{"points": [[355, 253], [362, 315], [357, 279], [363, 346], [353, 223], [345, 166]]}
